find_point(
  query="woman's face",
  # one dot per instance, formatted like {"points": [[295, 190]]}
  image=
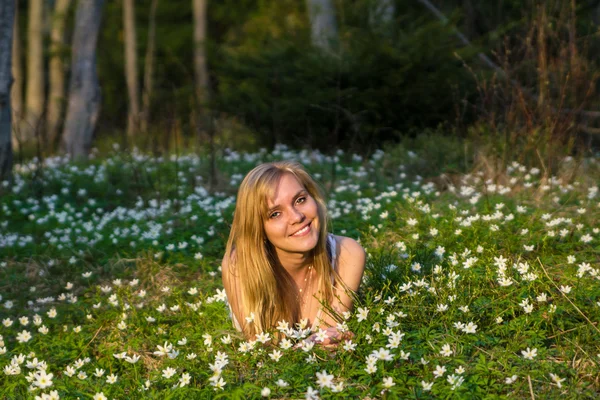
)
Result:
{"points": [[292, 224]]}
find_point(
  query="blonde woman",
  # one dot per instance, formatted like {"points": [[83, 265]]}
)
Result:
{"points": [[280, 263]]}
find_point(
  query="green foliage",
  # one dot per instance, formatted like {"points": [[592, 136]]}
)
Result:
{"points": [[485, 287]]}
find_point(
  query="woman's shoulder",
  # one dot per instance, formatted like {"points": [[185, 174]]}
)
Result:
{"points": [[350, 261], [347, 243], [349, 249]]}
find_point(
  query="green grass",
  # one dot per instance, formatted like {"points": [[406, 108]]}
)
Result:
{"points": [[126, 249]]}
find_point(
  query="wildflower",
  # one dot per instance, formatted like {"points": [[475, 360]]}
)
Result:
{"points": [[529, 354], [511, 379], [349, 346], [43, 380], [311, 394], [263, 337], [275, 355], [132, 360], [265, 392], [111, 379], [446, 351], [281, 383], [460, 370], [164, 350], [23, 337], [565, 289], [185, 379], [99, 396], [557, 379], [426, 386], [388, 382], [470, 328], [324, 379], [439, 371], [168, 372], [362, 314]]}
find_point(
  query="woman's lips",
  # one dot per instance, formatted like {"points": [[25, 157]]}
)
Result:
{"points": [[302, 232]]}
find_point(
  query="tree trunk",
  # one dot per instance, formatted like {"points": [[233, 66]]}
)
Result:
{"points": [[200, 67], [56, 95], [16, 91], [203, 119], [84, 90], [149, 69], [34, 89], [131, 72], [7, 16], [321, 14]]}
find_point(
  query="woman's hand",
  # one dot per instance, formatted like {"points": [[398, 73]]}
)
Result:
{"points": [[330, 337]]}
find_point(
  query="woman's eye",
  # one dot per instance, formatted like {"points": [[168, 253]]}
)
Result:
{"points": [[301, 200], [274, 214]]}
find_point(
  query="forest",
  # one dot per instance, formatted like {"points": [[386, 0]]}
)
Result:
{"points": [[456, 142], [316, 74]]}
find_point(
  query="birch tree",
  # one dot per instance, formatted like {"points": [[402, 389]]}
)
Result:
{"points": [[16, 91], [149, 69], [84, 90], [200, 67], [323, 28], [56, 95], [131, 72], [34, 83], [7, 14]]}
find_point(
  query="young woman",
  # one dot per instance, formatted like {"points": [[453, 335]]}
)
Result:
{"points": [[280, 263]]}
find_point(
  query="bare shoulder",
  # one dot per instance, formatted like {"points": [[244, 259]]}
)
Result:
{"points": [[350, 248], [351, 261]]}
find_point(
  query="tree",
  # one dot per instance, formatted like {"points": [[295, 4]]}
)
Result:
{"points": [[34, 83], [149, 68], [56, 95], [7, 14], [16, 91], [200, 67], [131, 72], [323, 27], [84, 89]]}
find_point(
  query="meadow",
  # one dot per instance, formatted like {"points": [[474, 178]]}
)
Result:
{"points": [[479, 284]]}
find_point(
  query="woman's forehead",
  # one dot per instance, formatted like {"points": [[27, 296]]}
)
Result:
{"points": [[284, 189]]}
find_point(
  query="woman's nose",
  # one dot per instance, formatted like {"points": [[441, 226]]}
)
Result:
{"points": [[297, 215]]}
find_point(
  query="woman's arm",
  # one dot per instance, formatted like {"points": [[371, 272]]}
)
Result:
{"points": [[350, 268]]}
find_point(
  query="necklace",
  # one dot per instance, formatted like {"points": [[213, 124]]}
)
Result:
{"points": [[302, 291]]}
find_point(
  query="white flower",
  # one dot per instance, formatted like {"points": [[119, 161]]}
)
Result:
{"points": [[529, 354], [324, 379], [426, 386], [439, 371], [362, 314], [111, 379], [23, 337], [446, 351], [168, 372], [281, 383], [99, 396], [557, 379], [265, 392], [511, 379], [565, 289], [185, 379], [388, 382]]}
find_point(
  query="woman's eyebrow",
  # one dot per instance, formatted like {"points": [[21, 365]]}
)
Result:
{"points": [[300, 192]]}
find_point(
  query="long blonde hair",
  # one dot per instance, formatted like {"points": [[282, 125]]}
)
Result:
{"points": [[266, 288]]}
